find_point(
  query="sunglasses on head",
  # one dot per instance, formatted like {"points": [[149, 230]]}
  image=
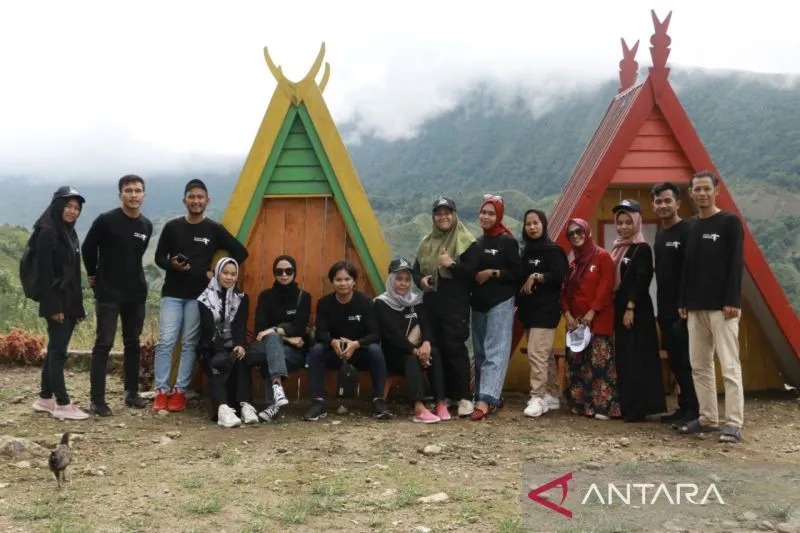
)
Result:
{"points": [[576, 232], [492, 197], [287, 271]]}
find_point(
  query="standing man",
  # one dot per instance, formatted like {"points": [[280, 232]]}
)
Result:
{"points": [[670, 249], [710, 298], [112, 255], [185, 250]]}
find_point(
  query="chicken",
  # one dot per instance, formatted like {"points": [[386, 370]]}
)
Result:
{"points": [[60, 459]]}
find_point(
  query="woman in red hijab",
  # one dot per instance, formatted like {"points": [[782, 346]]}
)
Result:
{"points": [[587, 300], [497, 264]]}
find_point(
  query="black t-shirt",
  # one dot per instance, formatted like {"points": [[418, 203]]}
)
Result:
{"points": [[354, 320], [112, 252], [670, 249], [500, 252]]}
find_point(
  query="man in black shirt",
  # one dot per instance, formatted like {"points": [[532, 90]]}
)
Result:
{"points": [[112, 253], [710, 298], [670, 248], [185, 250]]}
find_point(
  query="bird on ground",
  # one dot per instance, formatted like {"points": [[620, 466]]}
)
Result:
{"points": [[60, 458]]}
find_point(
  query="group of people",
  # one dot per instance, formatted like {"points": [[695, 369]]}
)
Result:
{"points": [[420, 325]]}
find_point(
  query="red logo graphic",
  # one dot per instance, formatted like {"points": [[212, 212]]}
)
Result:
{"points": [[558, 482]]}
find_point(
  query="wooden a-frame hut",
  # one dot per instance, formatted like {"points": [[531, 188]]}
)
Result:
{"points": [[645, 138]]}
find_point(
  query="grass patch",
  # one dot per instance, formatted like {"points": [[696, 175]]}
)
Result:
{"points": [[328, 490], [11, 392], [256, 526], [135, 524], [676, 466], [39, 510], [778, 511], [62, 525], [508, 525], [629, 469], [191, 482], [324, 497], [230, 458], [209, 505], [406, 496]]}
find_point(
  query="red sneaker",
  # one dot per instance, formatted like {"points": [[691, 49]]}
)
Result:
{"points": [[176, 402], [160, 402]]}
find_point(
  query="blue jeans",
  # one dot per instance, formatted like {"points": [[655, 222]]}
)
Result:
{"points": [[275, 359], [491, 342], [176, 314]]}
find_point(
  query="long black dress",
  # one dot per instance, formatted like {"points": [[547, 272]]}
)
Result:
{"points": [[641, 391]]}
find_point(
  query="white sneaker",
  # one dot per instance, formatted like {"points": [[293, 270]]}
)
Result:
{"points": [[226, 417], [598, 416], [536, 407], [69, 412], [278, 395], [249, 415], [465, 408], [270, 413], [553, 402]]}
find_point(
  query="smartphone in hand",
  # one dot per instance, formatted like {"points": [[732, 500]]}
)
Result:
{"points": [[180, 258]]}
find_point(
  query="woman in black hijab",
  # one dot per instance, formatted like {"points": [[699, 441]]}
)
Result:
{"points": [[544, 267], [282, 316], [60, 300]]}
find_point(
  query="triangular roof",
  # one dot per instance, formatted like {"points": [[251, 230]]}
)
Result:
{"points": [[298, 132], [646, 137]]}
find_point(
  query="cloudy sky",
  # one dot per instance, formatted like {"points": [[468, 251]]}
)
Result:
{"points": [[97, 88]]}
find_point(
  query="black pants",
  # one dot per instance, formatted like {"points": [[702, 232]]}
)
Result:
{"points": [[229, 384], [368, 357], [675, 340], [132, 317], [450, 332], [58, 336], [410, 367]]}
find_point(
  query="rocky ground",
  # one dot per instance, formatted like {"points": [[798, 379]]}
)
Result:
{"points": [[139, 471]]}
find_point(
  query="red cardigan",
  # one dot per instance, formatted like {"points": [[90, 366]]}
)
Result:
{"points": [[596, 292]]}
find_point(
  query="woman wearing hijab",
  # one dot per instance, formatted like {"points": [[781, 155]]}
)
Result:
{"points": [[544, 267], [223, 323], [587, 300], [406, 340], [641, 391], [61, 300], [443, 270], [497, 267], [282, 316]]}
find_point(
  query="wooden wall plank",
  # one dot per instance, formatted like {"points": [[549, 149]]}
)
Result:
{"points": [[655, 142], [655, 127], [654, 159]]}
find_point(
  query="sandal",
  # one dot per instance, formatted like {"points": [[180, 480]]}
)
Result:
{"points": [[730, 435], [694, 427], [479, 414]]}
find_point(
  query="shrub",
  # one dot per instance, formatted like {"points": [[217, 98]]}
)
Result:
{"points": [[21, 347]]}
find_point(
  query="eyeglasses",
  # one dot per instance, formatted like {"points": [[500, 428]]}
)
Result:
{"points": [[578, 232], [492, 197], [287, 271]]}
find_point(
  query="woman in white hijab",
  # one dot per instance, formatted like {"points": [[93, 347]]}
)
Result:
{"points": [[405, 339], [223, 323]]}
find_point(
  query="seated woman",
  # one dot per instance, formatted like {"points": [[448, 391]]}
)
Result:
{"points": [[497, 267], [346, 330], [587, 300], [405, 339], [635, 338], [223, 322], [282, 315]]}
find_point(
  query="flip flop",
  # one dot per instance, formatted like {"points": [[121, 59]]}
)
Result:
{"points": [[730, 435], [695, 427]]}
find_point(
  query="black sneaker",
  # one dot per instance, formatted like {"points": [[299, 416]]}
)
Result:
{"points": [[677, 416], [135, 401], [100, 409], [316, 411], [380, 410]]}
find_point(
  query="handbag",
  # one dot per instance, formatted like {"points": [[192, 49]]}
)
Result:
{"points": [[348, 381]]}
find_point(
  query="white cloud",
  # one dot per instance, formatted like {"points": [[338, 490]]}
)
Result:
{"points": [[103, 87]]}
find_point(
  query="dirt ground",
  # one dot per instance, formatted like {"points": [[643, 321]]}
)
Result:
{"points": [[352, 473]]}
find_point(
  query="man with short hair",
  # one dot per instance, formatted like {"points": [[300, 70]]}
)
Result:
{"points": [[112, 254], [710, 299], [185, 250], [670, 248]]}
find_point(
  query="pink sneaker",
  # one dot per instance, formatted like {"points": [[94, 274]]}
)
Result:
{"points": [[426, 417], [44, 405], [442, 412], [69, 412]]}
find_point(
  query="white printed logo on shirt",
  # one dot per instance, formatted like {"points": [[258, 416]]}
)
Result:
{"points": [[290, 312], [711, 236], [140, 236], [673, 244], [491, 251], [534, 262], [626, 260], [356, 318], [204, 240], [411, 315], [593, 268]]}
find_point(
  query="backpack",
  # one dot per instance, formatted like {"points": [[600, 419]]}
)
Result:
{"points": [[29, 268]]}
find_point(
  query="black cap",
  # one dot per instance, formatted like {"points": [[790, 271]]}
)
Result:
{"points": [[444, 201], [68, 191], [627, 205], [399, 264], [195, 184]]}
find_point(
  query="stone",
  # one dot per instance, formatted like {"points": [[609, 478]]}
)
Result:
{"points": [[121, 425], [3, 485], [785, 527], [472, 519], [174, 434], [336, 422], [730, 524], [671, 525], [17, 399], [163, 412], [766, 525], [421, 529], [412, 461], [434, 498], [281, 449], [164, 440], [492, 462], [625, 442], [593, 466], [431, 449], [17, 448], [23, 464], [747, 515]]}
